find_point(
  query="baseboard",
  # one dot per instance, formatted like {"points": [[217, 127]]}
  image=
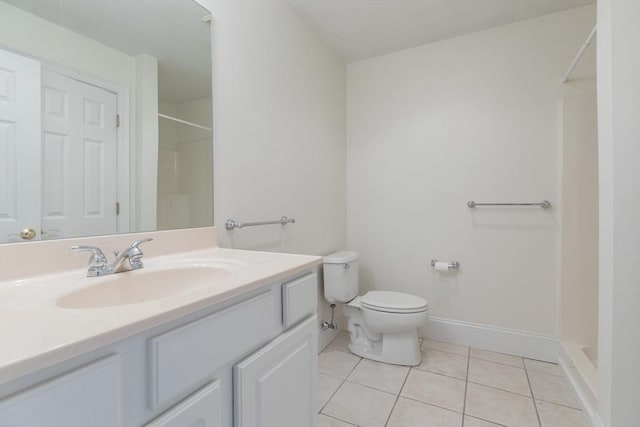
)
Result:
{"points": [[520, 343], [325, 336], [581, 388]]}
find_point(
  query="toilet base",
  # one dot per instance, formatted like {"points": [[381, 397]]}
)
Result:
{"points": [[396, 349]]}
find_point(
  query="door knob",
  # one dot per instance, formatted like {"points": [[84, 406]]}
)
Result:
{"points": [[28, 233]]}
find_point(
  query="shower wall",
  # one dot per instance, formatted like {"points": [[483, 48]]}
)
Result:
{"points": [[185, 181], [579, 266]]}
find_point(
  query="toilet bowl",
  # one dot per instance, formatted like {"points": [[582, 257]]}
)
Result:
{"points": [[382, 324]]}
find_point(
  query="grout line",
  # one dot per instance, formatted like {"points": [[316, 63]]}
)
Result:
{"points": [[370, 387], [559, 404], [339, 419], [424, 371], [440, 373], [445, 351], [343, 380], [535, 371], [397, 397], [488, 421], [533, 397], [354, 368], [329, 399], [466, 386], [499, 363], [502, 389], [338, 349], [431, 404], [332, 376]]}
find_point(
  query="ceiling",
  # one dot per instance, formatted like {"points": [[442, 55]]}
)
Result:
{"points": [[169, 30], [360, 29]]}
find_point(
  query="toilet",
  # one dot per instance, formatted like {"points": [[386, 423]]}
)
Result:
{"points": [[383, 325]]}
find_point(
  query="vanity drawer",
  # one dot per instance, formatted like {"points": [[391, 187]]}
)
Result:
{"points": [[299, 299], [86, 397], [203, 408], [186, 357]]}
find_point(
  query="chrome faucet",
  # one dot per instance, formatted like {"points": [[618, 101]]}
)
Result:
{"points": [[98, 265]]}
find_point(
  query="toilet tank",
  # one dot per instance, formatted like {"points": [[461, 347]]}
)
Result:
{"points": [[341, 276]]}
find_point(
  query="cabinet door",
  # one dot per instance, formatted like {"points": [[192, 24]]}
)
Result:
{"points": [[201, 409], [87, 397], [275, 387]]}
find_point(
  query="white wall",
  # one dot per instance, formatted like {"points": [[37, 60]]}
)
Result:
{"points": [[471, 118], [34, 36], [619, 157], [279, 130], [147, 141]]}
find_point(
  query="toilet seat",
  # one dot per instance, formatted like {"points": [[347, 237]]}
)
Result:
{"points": [[393, 302]]}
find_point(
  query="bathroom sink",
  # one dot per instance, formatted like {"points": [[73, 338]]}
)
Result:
{"points": [[144, 285]]}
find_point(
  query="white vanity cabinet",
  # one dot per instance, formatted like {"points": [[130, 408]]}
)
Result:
{"points": [[248, 361], [275, 386], [86, 397], [202, 409]]}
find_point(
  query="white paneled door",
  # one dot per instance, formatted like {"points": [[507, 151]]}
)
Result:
{"points": [[79, 173], [19, 148]]}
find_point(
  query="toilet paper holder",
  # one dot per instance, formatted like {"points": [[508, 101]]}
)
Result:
{"points": [[452, 265]]}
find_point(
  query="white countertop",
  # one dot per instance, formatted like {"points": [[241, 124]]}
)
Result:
{"points": [[36, 333]]}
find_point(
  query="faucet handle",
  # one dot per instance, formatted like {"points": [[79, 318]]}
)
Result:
{"points": [[97, 259], [135, 254], [137, 243]]}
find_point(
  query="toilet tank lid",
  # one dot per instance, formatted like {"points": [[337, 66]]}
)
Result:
{"points": [[341, 257]]}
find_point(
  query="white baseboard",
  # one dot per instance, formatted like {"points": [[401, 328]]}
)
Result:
{"points": [[325, 337], [520, 343]]}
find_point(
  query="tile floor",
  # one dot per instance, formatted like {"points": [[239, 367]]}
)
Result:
{"points": [[454, 386]]}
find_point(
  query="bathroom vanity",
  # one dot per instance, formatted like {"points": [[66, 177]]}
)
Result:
{"points": [[208, 337]]}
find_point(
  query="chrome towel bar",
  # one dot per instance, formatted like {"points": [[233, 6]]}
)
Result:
{"points": [[231, 224], [545, 204]]}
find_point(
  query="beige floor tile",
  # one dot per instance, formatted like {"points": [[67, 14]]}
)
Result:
{"points": [[327, 385], [341, 342], [449, 364], [491, 356], [435, 389], [552, 389], [409, 413], [497, 375], [501, 407], [336, 363], [475, 422], [544, 367], [552, 415], [360, 405], [324, 421], [446, 347], [382, 376]]}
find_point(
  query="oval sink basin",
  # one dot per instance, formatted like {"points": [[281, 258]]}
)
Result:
{"points": [[139, 286]]}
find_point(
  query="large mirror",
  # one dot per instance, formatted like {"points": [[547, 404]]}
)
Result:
{"points": [[105, 117]]}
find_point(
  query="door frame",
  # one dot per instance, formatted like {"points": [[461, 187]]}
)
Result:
{"points": [[124, 185]]}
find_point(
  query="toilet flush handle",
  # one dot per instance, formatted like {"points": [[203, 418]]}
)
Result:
{"points": [[347, 266]]}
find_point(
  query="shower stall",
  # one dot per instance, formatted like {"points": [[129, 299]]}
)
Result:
{"points": [[579, 236]]}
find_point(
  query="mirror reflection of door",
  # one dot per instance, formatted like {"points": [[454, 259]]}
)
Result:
{"points": [[70, 127], [19, 147], [79, 158]]}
